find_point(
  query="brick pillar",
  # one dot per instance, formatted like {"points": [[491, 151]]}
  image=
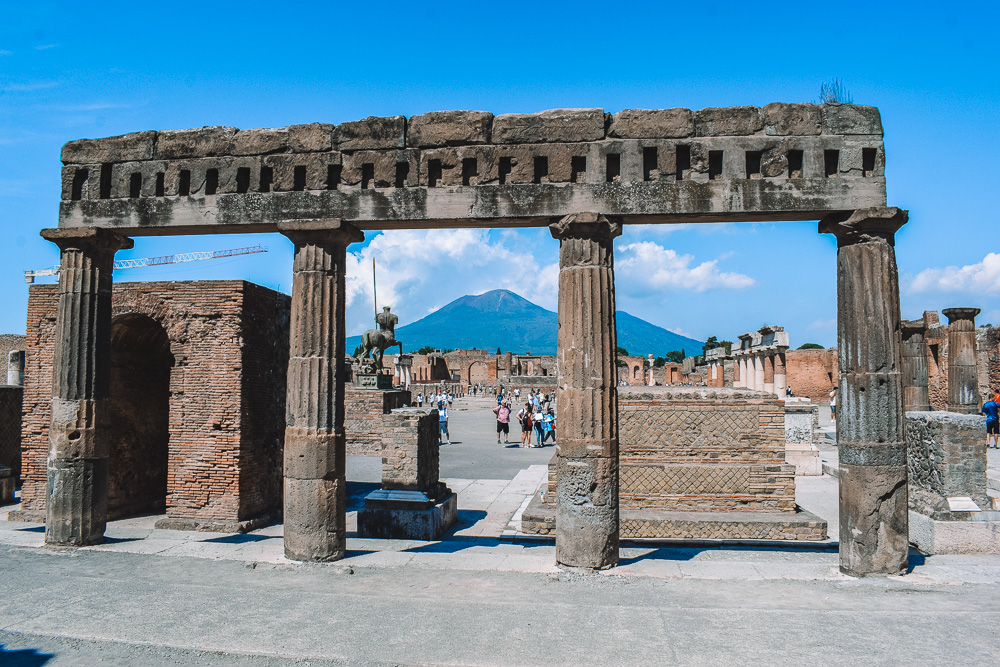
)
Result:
{"points": [[963, 384], [76, 508], [769, 372], [315, 497], [914, 354], [780, 378], [587, 448], [870, 423]]}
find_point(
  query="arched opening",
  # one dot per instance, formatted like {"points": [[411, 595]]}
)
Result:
{"points": [[478, 373], [138, 416], [635, 373]]}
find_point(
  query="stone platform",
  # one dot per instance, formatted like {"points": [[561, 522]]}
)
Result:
{"points": [[407, 515]]}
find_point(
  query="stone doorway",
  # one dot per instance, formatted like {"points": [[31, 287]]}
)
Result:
{"points": [[479, 373], [138, 413]]}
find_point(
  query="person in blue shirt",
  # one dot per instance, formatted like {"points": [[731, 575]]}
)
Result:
{"points": [[443, 435], [992, 411]]}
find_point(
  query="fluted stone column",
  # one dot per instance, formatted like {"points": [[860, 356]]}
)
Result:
{"points": [[870, 420], [738, 373], [76, 508], [963, 383], [587, 448], [758, 372], [315, 499], [769, 372], [914, 355], [780, 377]]}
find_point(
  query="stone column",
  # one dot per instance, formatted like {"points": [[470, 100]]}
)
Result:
{"points": [[738, 372], [769, 372], [914, 355], [15, 368], [76, 508], [780, 378], [963, 383], [587, 396], [315, 499], [871, 438], [758, 372]]}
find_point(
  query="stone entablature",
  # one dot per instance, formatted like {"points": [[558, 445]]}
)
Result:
{"points": [[761, 360], [781, 161]]}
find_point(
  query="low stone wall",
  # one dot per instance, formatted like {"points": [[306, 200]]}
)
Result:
{"points": [[946, 457], [363, 413], [10, 428]]}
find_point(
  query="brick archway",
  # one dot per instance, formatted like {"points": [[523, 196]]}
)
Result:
{"points": [[479, 373]]}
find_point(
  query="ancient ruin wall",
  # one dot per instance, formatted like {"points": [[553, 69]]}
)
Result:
{"points": [[10, 428], [363, 411], [217, 423], [8, 343], [812, 373], [777, 162]]}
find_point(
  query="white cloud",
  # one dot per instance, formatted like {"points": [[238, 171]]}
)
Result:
{"points": [[46, 47], [980, 278], [651, 266], [420, 271], [680, 332], [824, 324]]}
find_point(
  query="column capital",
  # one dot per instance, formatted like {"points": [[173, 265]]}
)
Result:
{"points": [[956, 314], [83, 238], [912, 327], [865, 225], [586, 226], [333, 231]]}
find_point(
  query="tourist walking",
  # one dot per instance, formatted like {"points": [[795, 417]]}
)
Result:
{"points": [[833, 404], [524, 419], [992, 411], [443, 424], [536, 420], [549, 427], [502, 412], [420, 400]]}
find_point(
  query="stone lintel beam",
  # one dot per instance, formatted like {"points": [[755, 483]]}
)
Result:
{"points": [[77, 468], [587, 530], [963, 384], [870, 421], [315, 487]]}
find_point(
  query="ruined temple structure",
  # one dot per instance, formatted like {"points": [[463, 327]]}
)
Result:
{"points": [[580, 172], [760, 360], [194, 404]]}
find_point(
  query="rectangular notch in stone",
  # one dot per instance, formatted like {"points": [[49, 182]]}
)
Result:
{"points": [[266, 179], [753, 159], [79, 180], [795, 159], [135, 185], [503, 170], [714, 165], [434, 173], [211, 181], [184, 183], [541, 169], [868, 156], [333, 176], [683, 166], [299, 178], [650, 163], [831, 163], [243, 180], [105, 181], [578, 169], [470, 170], [160, 184], [613, 170], [402, 173], [367, 175]]}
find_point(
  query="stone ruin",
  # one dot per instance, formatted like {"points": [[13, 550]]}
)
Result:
{"points": [[580, 172]]}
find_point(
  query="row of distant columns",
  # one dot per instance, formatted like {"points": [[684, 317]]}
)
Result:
{"points": [[873, 465], [963, 382], [762, 371]]}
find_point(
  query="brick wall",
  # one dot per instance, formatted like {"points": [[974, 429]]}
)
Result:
{"points": [[224, 424], [812, 373], [946, 457], [410, 453], [363, 417], [10, 428]]}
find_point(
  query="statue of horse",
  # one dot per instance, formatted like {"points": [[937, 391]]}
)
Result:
{"points": [[375, 342]]}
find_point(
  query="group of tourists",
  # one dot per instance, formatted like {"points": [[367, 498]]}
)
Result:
{"points": [[537, 418]]}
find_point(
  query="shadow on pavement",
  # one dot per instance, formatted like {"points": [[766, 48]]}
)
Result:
{"points": [[25, 657]]}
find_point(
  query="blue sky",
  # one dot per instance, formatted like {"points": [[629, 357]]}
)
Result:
{"points": [[69, 71]]}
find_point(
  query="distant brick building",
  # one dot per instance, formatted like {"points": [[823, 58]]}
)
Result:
{"points": [[812, 373], [196, 407]]}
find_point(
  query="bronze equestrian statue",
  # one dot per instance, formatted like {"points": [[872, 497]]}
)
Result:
{"points": [[374, 342]]}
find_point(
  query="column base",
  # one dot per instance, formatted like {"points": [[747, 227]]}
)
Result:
{"points": [[314, 521], [76, 511], [874, 536]]}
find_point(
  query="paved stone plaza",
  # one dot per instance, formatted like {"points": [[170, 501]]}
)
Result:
{"points": [[481, 595]]}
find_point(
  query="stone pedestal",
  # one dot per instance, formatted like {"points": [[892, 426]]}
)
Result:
{"points": [[870, 435], [963, 384], [77, 469], [412, 503], [315, 490], [404, 367], [587, 447], [799, 448], [914, 354], [372, 381]]}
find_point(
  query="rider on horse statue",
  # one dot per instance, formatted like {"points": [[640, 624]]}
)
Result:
{"points": [[374, 342]]}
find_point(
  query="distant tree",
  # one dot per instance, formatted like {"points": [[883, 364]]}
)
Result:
{"points": [[621, 351], [498, 352], [659, 362], [834, 92], [714, 342], [811, 346], [357, 351], [426, 349], [675, 356]]}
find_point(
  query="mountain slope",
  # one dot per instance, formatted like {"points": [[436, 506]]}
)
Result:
{"points": [[502, 319]]}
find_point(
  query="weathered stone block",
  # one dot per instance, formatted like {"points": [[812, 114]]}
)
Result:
{"points": [[449, 128], [878, 525], [374, 132], [851, 119], [311, 137], [125, 147], [783, 119], [312, 455], [728, 121], [195, 143], [315, 528], [946, 457], [652, 124], [388, 169], [77, 508], [554, 125], [260, 141]]}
